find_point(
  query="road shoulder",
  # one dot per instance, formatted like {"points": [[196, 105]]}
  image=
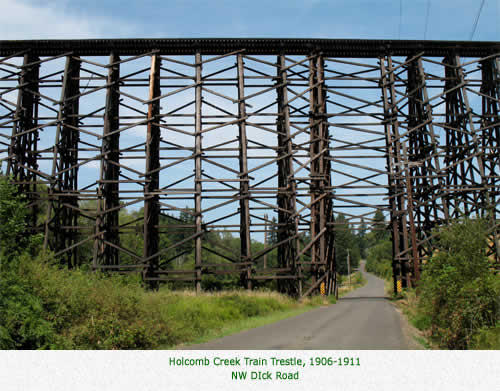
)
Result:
{"points": [[411, 334]]}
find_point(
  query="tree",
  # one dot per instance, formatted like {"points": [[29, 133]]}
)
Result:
{"points": [[362, 241], [178, 234], [379, 232], [345, 240], [379, 259], [22, 325], [458, 290], [12, 216], [272, 232]]}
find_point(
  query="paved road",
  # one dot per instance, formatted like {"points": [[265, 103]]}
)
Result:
{"points": [[363, 319]]}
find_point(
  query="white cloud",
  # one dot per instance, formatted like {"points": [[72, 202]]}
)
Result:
{"points": [[21, 20]]}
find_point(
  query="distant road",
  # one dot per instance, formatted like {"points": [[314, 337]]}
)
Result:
{"points": [[363, 319]]}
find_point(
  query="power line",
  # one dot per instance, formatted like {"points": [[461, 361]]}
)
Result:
{"points": [[427, 17], [477, 19]]}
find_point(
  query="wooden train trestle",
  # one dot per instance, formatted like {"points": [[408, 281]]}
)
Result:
{"points": [[246, 136]]}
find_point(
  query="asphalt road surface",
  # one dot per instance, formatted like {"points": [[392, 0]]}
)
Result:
{"points": [[363, 319]]}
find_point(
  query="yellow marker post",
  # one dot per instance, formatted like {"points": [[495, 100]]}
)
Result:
{"points": [[322, 289], [399, 286]]}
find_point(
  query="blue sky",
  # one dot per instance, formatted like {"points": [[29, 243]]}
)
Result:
{"points": [[448, 19]]}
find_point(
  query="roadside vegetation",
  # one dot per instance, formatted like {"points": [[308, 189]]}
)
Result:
{"points": [[379, 249], [45, 305], [357, 281], [457, 301]]}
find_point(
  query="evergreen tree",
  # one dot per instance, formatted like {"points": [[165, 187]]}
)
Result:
{"points": [[345, 240], [181, 233], [362, 241], [380, 231], [272, 232]]}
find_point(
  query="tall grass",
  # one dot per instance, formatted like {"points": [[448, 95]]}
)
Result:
{"points": [[45, 306], [357, 281], [79, 310]]}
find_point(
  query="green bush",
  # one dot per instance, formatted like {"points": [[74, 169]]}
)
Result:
{"points": [[458, 290], [421, 321], [21, 311], [73, 309], [487, 338], [12, 217], [379, 259], [57, 308], [46, 306], [358, 279]]}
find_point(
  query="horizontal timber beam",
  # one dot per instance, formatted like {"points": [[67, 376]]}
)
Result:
{"points": [[261, 46]]}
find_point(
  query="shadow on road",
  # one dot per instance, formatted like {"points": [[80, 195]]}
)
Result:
{"points": [[370, 298]]}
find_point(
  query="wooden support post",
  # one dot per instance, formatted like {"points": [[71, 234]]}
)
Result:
{"points": [[152, 175], [385, 84], [413, 231], [325, 213], [198, 173], [107, 220], [245, 241], [63, 191], [400, 199], [24, 147], [314, 169], [321, 211], [326, 184], [287, 223]]}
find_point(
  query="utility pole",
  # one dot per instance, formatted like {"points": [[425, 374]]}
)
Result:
{"points": [[349, 267]]}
